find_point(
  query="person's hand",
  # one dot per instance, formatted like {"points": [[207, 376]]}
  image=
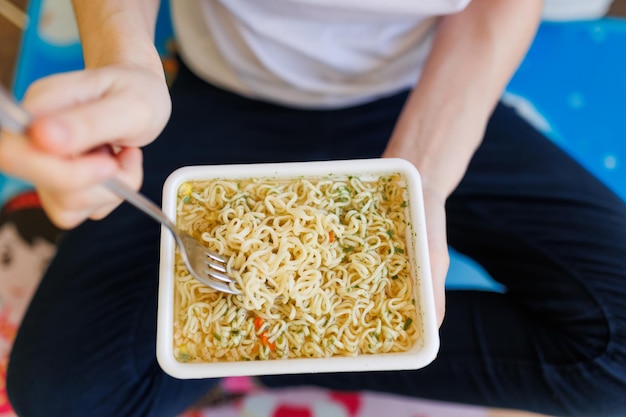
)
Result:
{"points": [[435, 214], [75, 113]]}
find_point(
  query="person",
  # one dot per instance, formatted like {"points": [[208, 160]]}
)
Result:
{"points": [[296, 80]]}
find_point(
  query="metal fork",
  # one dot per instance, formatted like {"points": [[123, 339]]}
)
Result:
{"points": [[205, 265]]}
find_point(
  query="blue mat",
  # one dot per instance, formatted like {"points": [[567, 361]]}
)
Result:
{"points": [[575, 76], [571, 85]]}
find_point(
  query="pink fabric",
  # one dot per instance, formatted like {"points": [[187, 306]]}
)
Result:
{"points": [[314, 402]]}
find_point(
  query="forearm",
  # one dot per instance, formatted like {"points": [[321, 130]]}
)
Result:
{"points": [[474, 54], [118, 32]]}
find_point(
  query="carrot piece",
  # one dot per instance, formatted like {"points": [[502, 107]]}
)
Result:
{"points": [[267, 343], [258, 322], [331, 236]]}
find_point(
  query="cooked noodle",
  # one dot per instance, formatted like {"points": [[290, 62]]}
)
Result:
{"points": [[321, 264]]}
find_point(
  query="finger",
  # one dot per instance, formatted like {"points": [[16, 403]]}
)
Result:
{"points": [[130, 162], [104, 211], [69, 210], [19, 158], [78, 129], [64, 90], [438, 248], [441, 262]]}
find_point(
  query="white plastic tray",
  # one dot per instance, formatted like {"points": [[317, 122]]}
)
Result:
{"points": [[423, 351]]}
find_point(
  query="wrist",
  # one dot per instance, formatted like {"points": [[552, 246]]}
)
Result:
{"points": [[140, 53], [115, 33], [439, 140]]}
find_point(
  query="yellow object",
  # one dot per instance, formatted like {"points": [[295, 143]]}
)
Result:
{"points": [[185, 189]]}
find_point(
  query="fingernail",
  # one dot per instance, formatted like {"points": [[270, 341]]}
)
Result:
{"points": [[56, 133], [106, 171]]}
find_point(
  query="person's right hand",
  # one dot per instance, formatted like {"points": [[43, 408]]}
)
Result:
{"points": [[75, 113]]}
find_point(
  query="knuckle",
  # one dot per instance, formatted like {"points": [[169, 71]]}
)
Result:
{"points": [[59, 216]]}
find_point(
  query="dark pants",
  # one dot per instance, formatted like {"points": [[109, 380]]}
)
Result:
{"points": [[555, 342]]}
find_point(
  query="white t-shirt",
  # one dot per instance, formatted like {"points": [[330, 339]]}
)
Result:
{"points": [[308, 53]]}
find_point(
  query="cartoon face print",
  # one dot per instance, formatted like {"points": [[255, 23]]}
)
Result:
{"points": [[27, 244], [57, 24], [21, 266]]}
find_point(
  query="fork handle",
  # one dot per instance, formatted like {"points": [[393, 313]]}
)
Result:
{"points": [[12, 116], [135, 198], [139, 201]]}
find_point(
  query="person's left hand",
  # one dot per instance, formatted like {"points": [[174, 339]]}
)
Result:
{"points": [[435, 214]]}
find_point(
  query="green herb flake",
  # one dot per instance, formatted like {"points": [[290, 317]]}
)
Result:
{"points": [[407, 323], [403, 204], [398, 250], [217, 336]]}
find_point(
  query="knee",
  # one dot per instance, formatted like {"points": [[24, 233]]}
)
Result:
{"points": [[594, 387], [33, 390], [23, 388], [38, 385]]}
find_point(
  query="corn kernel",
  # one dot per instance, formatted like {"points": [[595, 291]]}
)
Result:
{"points": [[185, 189]]}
